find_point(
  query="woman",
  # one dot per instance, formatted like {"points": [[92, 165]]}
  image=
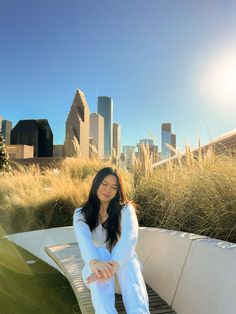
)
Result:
{"points": [[106, 228]]}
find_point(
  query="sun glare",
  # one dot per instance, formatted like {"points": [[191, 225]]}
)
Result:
{"points": [[218, 85]]}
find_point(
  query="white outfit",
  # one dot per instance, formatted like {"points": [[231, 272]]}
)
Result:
{"points": [[92, 246]]}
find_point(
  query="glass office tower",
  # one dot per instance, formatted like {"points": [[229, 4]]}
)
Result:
{"points": [[165, 139]]}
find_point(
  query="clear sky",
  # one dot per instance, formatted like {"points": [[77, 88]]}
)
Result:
{"points": [[160, 61]]}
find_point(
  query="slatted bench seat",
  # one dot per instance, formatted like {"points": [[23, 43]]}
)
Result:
{"points": [[68, 258]]}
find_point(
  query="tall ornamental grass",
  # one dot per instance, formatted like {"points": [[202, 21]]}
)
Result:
{"points": [[195, 194], [33, 199]]}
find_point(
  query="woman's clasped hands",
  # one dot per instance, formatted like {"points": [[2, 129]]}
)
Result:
{"points": [[102, 271]]}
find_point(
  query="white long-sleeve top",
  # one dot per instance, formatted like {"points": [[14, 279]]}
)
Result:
{"points": [[88, 241]]}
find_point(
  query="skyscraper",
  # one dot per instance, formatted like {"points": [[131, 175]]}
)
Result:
{"points": [[97, 132], [116, 139], [105, 108], [36, 133], [167, 138], [173, 143], [6, 131], [129, 154], [77, 127]]}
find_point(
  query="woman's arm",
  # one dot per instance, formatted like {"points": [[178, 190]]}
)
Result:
{"points": [[84, 237], [125, 247], [87, 248]]}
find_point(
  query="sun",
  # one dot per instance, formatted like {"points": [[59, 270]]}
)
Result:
{"points": [[218, 86]]}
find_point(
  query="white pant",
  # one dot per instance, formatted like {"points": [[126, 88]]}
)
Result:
{"points": [[132, 285]]}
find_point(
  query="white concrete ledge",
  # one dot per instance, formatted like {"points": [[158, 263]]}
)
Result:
{"points": [[208, 281], [164, 254], [35, 241]]}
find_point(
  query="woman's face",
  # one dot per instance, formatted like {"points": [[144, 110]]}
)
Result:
{"points": [[107, 189]]}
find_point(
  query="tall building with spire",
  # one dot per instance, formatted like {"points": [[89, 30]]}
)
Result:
{"points": [[105, 108], [77, 128]]}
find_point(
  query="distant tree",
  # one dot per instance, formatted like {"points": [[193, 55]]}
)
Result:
{"points": [[4, 158]]}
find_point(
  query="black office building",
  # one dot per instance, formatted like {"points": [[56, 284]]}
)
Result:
{"points": [[34, 132]]}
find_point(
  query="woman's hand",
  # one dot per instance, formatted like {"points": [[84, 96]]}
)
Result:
{"points": [[95, 277], [101, 269], [115, 266]]}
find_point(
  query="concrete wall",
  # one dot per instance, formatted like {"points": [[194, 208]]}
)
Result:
{"points": [[194, 274], [164, 255], [58, 150], [20, 151], [208, 281], [42, 162]]}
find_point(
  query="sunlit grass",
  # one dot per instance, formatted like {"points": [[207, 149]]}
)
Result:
{"points": [[194, 193], [32, 199]]}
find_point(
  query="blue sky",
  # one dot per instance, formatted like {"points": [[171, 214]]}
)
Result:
{"points": [[159, 60]]}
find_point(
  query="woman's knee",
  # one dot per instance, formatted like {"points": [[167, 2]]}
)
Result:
{"points": [[104, 255]]}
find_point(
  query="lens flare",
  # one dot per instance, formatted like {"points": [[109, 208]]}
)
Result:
{"points": [[218, 86]]}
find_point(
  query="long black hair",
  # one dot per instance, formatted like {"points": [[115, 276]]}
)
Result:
{"points": [[90, 209]]}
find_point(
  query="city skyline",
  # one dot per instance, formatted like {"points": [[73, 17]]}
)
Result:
{"points": [[162, 62]]}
